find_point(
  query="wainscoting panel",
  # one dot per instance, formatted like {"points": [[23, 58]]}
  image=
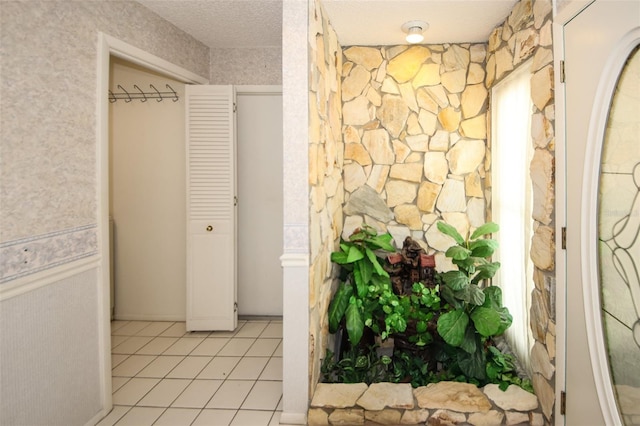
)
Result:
{"points": [[50, 371]]}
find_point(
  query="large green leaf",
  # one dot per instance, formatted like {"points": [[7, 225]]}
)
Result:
{"points": [[493, 297], [487, 228], [338, 306], [452, 326], [505, 320], [468, 265], [355, 254], [382, 241], [354, 322], [448, 295], [361, 287], [483, 248], [380, 280], [339, 257], [456, 280], [449, 230], [463, 295], [473, 364], [374, 262], [457, 253], [366, 269], [486, 271], [486, 321], [470, 342], [476, 295]]}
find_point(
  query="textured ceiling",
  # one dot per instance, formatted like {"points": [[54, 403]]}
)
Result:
{"points": [[258, 23], [225, 23], [367, 22]]}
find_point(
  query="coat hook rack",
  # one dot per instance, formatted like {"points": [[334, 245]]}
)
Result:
{"points": [[126, 93], [142, 95], [175, 95]]}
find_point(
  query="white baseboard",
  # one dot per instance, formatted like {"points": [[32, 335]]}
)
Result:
{"points": [[142, 317], [293, 419], [95, 419]]}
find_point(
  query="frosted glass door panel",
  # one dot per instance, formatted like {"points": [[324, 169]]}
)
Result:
{"points": [[619, 239]]}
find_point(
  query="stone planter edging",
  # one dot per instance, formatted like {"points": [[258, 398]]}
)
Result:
{"points": [[444, 403]]}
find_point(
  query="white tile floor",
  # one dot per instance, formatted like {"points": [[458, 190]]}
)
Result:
{"points": [[164, 376]]}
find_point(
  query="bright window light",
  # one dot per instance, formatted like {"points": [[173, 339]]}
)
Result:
{"points": [[512, 198]]}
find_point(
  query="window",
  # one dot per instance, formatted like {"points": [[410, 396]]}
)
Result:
{"points": [[512, 151]]}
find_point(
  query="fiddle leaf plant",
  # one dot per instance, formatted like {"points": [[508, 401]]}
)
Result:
{"points": [[363, 280], [476, 313]]}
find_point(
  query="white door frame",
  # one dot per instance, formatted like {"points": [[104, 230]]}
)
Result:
{"points": [[108, 46], [571, 9], [599, 114]]}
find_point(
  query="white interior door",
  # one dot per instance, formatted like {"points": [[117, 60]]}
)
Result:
{"points": [[260, 205], [598, 42], [211, 208]]}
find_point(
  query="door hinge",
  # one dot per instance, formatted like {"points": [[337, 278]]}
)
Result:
{"points": [[235, 306], [564, 238], [562, 74], [235, 200], [563, 403], [235, 107]]}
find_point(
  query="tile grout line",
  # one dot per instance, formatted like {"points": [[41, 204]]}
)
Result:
{"points": [[193, 379]]}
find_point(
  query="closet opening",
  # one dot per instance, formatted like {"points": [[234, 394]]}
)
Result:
{"points": [[146, 193]]}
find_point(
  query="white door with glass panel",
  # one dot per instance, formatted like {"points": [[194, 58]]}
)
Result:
{"points": [[602, 88]]}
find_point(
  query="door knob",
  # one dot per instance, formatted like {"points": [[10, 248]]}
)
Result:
{"points": [[209, 228]]}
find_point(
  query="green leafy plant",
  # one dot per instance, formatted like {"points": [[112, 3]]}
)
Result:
{"points": [[357, 365], [446, 332], [414, 311], [357, 298], [412, 368], [500, 369], [476, 312]]}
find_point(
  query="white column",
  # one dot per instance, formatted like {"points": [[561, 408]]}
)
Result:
{"points": [[295, 260]]}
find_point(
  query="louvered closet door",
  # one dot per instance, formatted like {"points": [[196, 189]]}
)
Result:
{"points": [[211, 214]]}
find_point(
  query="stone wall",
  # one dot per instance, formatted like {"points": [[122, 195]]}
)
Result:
{"points": [[527, 33], [325, 177], [415, 130], [444, 403], [414, 124]]}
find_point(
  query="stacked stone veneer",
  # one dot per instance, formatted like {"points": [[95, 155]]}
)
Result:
{"points": [[415, 129], [444, 403], [326, 152], [524, 35], [398, 139]]}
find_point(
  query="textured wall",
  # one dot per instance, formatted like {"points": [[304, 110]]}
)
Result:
{"points": [[325, 175], [415, 133], [50, 338], [246, 66], [48, 122]]}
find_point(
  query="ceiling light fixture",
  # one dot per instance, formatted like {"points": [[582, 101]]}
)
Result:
{"points": [[414, 30]]}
